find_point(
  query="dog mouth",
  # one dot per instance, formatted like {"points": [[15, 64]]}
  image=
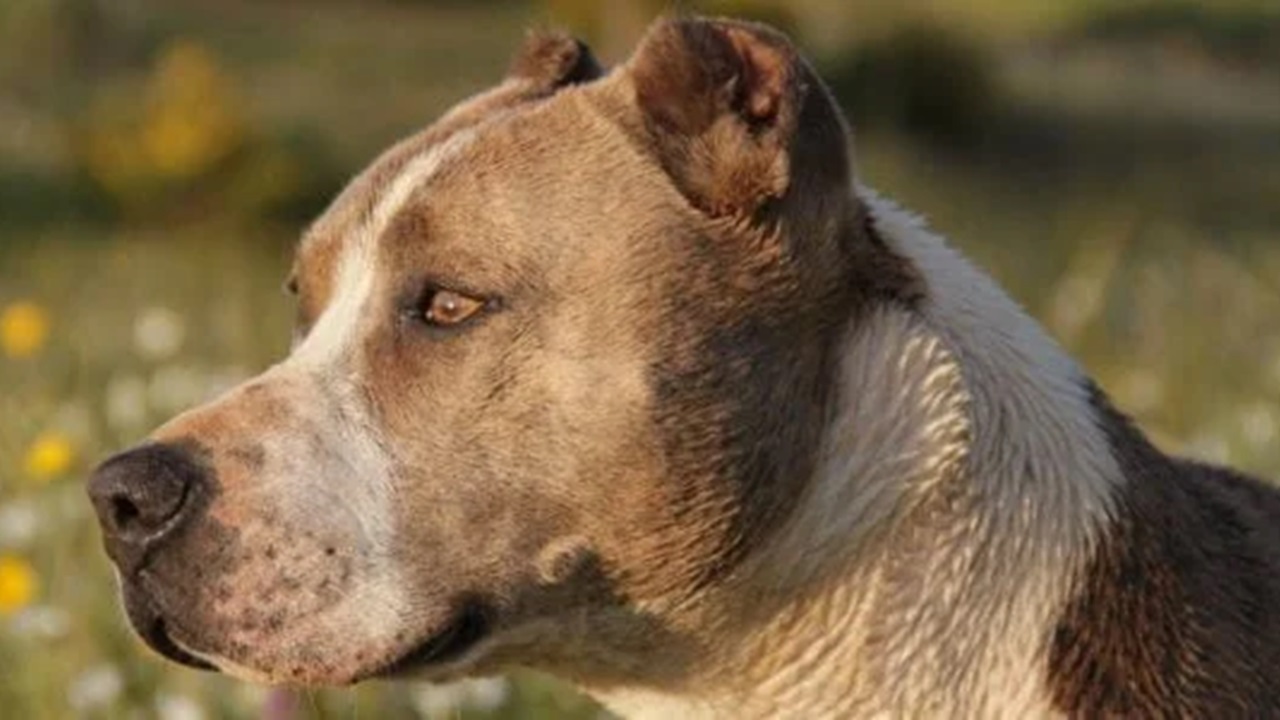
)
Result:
{"points": [[155, 632], [468, 627]]}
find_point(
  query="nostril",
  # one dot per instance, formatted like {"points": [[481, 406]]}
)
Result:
{"points": [[141, 495], [123, 513]]}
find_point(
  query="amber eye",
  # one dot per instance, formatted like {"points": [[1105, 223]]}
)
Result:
{"points": [[446, 308]]}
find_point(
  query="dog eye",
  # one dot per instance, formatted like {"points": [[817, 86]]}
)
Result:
{"points": [[446, 308]]}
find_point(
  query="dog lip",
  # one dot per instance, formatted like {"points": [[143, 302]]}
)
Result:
{"points": [[467, 628], [154, 630], [157, 635]]}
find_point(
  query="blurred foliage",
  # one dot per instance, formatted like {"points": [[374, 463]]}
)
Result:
{"points": [[1116, 166], [926, 81], [187, 125], [1246, 34], [188, 145]]}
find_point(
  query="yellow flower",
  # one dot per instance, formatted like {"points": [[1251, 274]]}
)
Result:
{"points": [[23, 329], [50, 455], [192, 120], [17, 584]]}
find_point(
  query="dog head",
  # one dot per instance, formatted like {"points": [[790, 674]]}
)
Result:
{"points": [[562, 363]]}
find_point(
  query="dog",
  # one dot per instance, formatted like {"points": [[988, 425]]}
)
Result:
{"points": [[623, 376]]}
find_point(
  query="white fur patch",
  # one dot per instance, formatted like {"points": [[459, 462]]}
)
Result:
{"points": [[972, 418], [962, 485], [336, 330], [331, 469], [354, 473], [323, 359]]}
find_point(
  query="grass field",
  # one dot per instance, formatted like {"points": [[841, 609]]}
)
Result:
{"points": [[157, 160]]}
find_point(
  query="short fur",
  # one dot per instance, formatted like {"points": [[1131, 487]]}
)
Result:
{"points": [[730, 436], [1176, 611]]}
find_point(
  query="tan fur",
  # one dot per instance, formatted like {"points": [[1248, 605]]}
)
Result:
{"points": [[728, 437]]}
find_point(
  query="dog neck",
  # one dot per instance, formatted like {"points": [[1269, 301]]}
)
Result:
{"points": [[963, 479]]}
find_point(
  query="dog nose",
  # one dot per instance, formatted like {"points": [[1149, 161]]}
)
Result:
{"points": [[141, 496]]}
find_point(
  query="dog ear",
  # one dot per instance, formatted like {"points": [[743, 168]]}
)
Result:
{"points": [[549, 61], [735, 115]]}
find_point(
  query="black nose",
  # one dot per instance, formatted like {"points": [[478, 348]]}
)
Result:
{"points": [[141, 496]]}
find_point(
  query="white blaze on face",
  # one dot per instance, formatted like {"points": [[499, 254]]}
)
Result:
{"points": [[336, 333], [335, 472]]}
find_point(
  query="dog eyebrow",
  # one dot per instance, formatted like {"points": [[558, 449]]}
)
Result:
{"points": [[413, 175]]}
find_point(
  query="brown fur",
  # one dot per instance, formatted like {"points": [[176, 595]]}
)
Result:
{"points": [[591, 474], [1176, 616], [636, 349], [547, 63]]}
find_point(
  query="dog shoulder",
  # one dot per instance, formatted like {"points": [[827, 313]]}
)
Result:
{"points": [[1176, 611]]}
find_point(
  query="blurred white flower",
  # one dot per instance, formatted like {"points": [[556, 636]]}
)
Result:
{"points": [[19, 523], [41, 622], [1258, 424], [488, 694], [221, 380], [175, 387], [96, 687], [248, 695], [438, 701], [126, 403], [177, 707], [1210, 446], [446, 701], [158, 333]]}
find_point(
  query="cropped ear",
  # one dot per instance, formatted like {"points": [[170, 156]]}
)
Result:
{"points": [[736, 116], [547, 62], [551, 60]]}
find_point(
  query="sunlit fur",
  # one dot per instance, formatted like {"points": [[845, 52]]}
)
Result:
{"points": [[962, 487], [738, 438]]}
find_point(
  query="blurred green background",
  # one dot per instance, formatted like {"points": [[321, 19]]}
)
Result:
{"points": [[1116, 165]]}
